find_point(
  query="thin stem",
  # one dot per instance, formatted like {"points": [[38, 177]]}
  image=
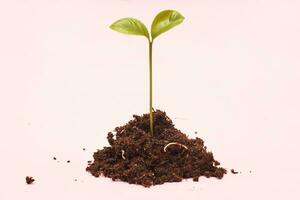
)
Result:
{"points": [[150, 73]]}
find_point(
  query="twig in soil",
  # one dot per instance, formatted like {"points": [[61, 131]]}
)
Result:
{"points": [[123, 154], [174, 143]]}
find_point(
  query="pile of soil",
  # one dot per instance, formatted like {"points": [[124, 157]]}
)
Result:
{"points": [[137, 157]]}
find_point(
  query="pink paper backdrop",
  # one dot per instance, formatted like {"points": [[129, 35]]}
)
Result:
{"points": [[231, 72]]}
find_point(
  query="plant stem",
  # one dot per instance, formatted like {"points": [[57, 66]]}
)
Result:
{"points": [[150, 73]]}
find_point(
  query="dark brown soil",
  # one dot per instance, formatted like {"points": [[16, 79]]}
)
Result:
{"points": [[137, 157], [233, 171], [29, 180]]}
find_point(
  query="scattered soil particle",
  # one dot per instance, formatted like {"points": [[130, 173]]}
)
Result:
{"points": [[233, 171], [196, 179], [146, 163], [89, 161], [75, 179], [83, 149], [54, 158], [29, 180], [68, 161], [250, 172]]}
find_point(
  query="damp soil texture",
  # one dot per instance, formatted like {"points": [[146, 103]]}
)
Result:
{"points": [[137, 157]]}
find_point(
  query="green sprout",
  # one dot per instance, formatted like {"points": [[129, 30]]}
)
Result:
{"points": [[164, 21]]}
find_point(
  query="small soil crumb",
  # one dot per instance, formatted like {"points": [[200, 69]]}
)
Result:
{"points": [[83, 149], [54, 158], [146, 161], [250, 172], [196, 179], [75, 179], [196, 132], [89, 161], [29, 180], [233, 171], [68, 161]]}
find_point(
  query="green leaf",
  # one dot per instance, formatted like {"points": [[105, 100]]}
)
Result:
{"points": [[164, 21], [130, 26]]}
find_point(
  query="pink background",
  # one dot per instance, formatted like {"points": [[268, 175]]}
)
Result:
{"points": [[231, 72]]}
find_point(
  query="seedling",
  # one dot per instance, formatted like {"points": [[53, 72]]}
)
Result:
{"points": [[164, 21], [131, 146]]}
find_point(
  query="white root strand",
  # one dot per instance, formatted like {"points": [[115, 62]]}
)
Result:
{"points": [[123, 154], [174, 143]]}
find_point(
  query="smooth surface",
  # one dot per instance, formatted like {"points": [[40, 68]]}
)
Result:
{"points": [[231, 72]]}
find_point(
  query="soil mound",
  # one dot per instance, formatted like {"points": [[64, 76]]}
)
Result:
{"points": [[137, 157]]}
